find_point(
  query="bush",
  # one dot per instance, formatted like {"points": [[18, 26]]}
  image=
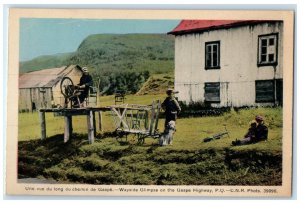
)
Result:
{"points": [[126, 81], [201, 109]]}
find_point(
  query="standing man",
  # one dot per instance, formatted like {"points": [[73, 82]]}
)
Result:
{"points": [[171, 107], [84, 85]]}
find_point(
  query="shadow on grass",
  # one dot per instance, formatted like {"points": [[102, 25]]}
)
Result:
{"points": [[109, 161], [129, 139], [36, 155]]}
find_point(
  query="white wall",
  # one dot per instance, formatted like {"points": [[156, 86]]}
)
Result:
{"points": [[238, 61]]}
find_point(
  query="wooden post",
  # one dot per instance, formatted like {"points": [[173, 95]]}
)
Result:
{"points": [[157, 113], [100, 120], [43, 125], [71, 126], [146, 119], [90, 126], [68, 128], [94, 123], [152, 118]]}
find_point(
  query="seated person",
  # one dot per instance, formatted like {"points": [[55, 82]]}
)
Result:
{"points": [[258, 131], [249, 136], [84, 85], [261, 133]]}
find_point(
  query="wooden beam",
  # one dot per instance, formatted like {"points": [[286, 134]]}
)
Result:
{"points": [[121, 118], [90, 127], [75, 110], [114, 117], [68, 128], [131, 107], [146, 120], [132, 122], [43, 125]]}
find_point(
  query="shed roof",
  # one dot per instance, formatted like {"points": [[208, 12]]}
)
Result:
{"points": [[44, 78], [190, 26]]}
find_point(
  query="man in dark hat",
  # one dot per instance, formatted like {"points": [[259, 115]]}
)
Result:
{"points": [[84, 85], [261, 132], [171, 106]]}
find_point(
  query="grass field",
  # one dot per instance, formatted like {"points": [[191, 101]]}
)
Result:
{"points": [[189, 161]]}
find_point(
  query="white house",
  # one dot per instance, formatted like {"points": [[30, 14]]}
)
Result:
{"points": [[229, 63]]}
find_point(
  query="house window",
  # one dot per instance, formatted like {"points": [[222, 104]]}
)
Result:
{"points": [[267, 49], [212, 92], [212, 55], [264, 91]]}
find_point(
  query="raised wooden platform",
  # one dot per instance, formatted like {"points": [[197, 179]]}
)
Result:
{"points": [[68, 113]]}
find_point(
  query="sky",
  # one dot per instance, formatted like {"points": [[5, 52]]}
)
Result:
{"points": [[40, 36]]}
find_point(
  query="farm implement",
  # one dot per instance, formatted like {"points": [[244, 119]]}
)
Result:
{"points": [[217, 136], [142, 121]]}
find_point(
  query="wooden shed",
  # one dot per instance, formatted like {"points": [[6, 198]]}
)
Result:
{"points": [[41, 89], [229, 63]]}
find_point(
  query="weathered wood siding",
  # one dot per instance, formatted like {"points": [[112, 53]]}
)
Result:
{"points": [[34, 97], [25, 102], [238, 62]]}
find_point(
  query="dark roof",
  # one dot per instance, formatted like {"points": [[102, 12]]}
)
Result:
{"points": [[191, 26], [45, 77]]}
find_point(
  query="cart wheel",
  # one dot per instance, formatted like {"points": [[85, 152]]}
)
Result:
{"points": [[141, 139], [67, 87]]}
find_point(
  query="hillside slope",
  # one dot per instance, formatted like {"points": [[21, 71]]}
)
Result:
{"points": [[45, 62], [117, 61], [157, 84]]}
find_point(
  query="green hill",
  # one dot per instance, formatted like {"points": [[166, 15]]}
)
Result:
{"points": [[119, 62], [44, 62]]}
